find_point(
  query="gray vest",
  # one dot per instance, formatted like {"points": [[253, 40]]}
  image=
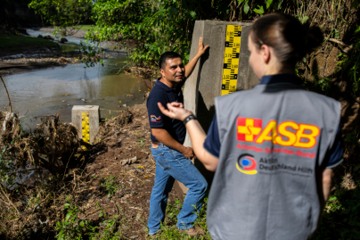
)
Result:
{"points": [[274, 139]]}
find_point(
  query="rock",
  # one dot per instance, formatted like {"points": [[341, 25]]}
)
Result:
{"points": [[22, 31], [62, 60], [146, 95], [95, 183], [40, 36], [128, 161], [63, 40], [48, 37]]}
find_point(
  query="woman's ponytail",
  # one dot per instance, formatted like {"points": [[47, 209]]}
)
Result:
{"points": [[290, 39]]}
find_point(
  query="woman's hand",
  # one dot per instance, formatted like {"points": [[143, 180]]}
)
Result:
{"points": [[175, 110]]}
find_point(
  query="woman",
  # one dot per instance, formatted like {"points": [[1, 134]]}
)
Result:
{"points": [[272, 147]]}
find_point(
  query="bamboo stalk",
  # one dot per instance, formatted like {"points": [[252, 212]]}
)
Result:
{"points": [[7, 93]]}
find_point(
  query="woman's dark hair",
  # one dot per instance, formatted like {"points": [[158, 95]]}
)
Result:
{"points": [[290, 39], [165, 56]]}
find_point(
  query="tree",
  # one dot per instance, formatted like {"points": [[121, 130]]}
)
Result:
{"points": [[63, 13]]}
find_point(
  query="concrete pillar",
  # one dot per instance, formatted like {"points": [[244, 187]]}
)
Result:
{"points": [[86, 119], [206, 81]]}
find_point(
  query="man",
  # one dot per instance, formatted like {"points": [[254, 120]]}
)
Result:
{"points": [[167, 136]]}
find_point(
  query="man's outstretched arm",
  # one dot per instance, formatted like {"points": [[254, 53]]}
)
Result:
{"points": [[191, 64]]}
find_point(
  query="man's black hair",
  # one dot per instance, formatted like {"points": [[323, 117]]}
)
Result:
{"points": [[165, 56]]}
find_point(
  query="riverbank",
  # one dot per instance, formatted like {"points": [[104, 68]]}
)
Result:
{"points": [[76, 33], [17, 44], [111, 191], [21, 53]]}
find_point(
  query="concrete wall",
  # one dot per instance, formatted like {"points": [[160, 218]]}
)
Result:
{"points": [[204, 84]]}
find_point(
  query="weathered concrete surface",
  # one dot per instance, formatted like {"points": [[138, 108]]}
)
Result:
{"points": [[94, 119], [204, 84]]}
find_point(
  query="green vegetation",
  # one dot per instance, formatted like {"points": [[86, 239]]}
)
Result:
{"points": [[141, 141], [72, 227], [341, 217], [110, 185], [169, 230], [88, 27], [63, 13], [17, 43]]}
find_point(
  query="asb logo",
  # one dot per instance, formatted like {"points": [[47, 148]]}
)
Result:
{"points": [[287, 133], [246, 164]]}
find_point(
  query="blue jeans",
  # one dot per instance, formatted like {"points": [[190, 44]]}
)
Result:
{"points": [[171, 165]]}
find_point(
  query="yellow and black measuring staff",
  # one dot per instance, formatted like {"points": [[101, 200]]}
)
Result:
{"points": [[85, 127], [231, 59]]}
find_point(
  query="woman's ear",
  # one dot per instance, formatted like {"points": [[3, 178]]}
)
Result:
{"points": [[265, 53]]}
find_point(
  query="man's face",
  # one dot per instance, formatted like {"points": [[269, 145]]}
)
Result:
{"points": [[174, 70]]}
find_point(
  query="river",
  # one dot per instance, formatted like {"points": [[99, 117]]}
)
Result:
{"points": [[57, 90]]}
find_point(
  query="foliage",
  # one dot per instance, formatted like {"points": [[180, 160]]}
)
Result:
{"points": [[110, 186], [86, 27], [146, 22], [17, 43], [341, 217], [170, 232], [156, 27], [350, 62], [72, 227], [36, 149], [63, 13], [141, 141]]}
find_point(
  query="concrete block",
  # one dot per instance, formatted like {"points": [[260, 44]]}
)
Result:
{"points": [[86, 119], [205, 82]]}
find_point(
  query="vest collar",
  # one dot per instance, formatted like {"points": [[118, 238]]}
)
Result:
{"points": [[280, 78]]}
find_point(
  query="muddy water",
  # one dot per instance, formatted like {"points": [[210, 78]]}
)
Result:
{"points": [[48, 91]]}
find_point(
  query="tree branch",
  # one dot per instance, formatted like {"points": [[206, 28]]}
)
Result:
{"points": [[7, 93]]}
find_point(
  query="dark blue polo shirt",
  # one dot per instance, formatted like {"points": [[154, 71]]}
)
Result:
{"points": [[164, 94], [212, 142]]}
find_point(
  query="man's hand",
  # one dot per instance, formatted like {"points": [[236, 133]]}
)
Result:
{"points": [[191, 64], [175, 110], [188, 152], [201, 49]]}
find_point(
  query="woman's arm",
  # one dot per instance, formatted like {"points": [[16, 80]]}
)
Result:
{"points": [[197, 135]]}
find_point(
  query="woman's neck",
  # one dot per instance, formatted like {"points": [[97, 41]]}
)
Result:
{"points": [[278, 69]]}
